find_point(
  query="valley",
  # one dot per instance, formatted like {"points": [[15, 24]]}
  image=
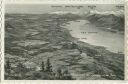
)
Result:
{"points": [[36, 40]]}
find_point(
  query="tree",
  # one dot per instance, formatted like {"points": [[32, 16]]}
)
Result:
{"points": [[42, 66], [20, 67], [59, 73], [48, 66], [63, 75], [21, 70], [74, 45], [8, 67], [67, 75]]}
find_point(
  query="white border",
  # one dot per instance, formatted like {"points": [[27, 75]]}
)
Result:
{"points": [[60, 81], [2, 37]]}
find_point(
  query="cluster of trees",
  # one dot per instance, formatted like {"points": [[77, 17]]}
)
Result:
{"points": [[8, 67], [17, 72], [59, 74], [70, 45], [48, 66], [46, 73]]}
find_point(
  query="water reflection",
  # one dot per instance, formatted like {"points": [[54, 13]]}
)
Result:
{"points": [[93, 35]]}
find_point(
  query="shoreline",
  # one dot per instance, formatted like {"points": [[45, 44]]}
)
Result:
{"points": [[65, 53], [86, 38]]}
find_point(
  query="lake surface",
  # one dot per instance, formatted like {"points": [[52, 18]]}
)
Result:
{"points": [[93, 35]]}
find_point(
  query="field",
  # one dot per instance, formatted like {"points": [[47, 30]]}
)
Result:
{"points": [[37, 47]]}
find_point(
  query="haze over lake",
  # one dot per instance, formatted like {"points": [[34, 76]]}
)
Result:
{"points": [[91, 34]]}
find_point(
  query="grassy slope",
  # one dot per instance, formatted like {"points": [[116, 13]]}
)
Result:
{"points": [[83, 61]]}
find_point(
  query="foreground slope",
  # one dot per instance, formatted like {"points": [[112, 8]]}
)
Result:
{"points": [[31, 39]]}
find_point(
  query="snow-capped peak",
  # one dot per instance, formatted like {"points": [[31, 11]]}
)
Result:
{"points": [[116, 13], [63, 12]]}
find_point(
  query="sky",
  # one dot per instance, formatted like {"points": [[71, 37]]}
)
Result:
{"points": [[47, 8], [66, 1]]}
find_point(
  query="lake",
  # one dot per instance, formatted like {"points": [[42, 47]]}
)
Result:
{"points": [[93, 35]]}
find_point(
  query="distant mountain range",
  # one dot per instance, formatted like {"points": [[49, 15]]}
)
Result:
{"points": [[116, 13], [112, 20]]}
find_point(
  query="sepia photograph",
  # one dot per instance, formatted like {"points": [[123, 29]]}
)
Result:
{"points": [[64, 42]]}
